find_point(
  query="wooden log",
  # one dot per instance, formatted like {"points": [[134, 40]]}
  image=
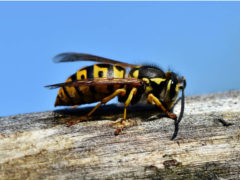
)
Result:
{"points": [[41, 146]]}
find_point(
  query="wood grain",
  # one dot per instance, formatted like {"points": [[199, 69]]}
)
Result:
{"points": [[40, 146]]}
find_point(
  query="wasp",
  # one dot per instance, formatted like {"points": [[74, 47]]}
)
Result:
{"points": [[108, 79]]}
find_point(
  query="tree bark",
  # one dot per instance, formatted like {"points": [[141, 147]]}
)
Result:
{"points": [[41, 146]]}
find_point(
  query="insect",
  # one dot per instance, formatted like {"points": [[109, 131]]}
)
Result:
{"points": [[107, 79]]}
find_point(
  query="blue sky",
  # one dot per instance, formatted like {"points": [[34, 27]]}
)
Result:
{"points": [[200, 40]]}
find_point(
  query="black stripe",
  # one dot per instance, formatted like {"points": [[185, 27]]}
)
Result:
{"points": [[82, 77], [89, 72], [100, 74], [121, 86], [157, 88], [66, 93], [104, 65], [59, 99], [172, 90], [109, 68], [110, 88], [134, 70], [74, 77], [80, 94], [120, 68], [92, 89]]}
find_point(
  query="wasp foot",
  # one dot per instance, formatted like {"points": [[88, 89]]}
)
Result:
{"points": [[83, 118]]}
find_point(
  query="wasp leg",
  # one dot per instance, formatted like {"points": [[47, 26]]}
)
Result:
{"points": [[151, 98], [121, 92], [127, 102]]}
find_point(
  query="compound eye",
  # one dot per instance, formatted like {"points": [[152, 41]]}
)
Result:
{"points": [[173, 90]]}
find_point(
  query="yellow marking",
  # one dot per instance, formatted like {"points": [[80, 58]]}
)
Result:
{"points": [[136, 73], [154, 100], [69, 80], [62, 96], [146, 80], [177, 87], [170, 101], [157, 80], [71, 90], [97, 69], [169, 85], [81, 73], [118, 73], [75, 97], [100, 89], [167, 96], [148, 89]]}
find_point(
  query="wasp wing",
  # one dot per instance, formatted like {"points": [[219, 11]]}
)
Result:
{"points": [[70, 57], [99, 81]]}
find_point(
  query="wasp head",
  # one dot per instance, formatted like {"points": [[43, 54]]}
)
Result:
{"points": [[174, 84]]}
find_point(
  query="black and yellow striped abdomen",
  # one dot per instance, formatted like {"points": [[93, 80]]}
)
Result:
{"points": [[68, 96]]}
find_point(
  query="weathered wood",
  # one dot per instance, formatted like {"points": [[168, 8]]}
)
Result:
{"points": [[40, 146]]}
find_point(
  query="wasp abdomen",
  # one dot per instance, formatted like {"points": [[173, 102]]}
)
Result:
{"points": [[68, 96]]}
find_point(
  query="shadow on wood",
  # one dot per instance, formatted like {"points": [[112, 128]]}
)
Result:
{"points": [[144, 112]]}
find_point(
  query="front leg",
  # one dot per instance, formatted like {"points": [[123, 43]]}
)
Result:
{"points": [[154, 100]]}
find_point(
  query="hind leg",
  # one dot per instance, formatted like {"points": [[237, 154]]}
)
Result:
{"points": [[121, 92]]}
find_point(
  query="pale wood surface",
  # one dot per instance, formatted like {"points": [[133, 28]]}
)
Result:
{"points": [[40, 146]]}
